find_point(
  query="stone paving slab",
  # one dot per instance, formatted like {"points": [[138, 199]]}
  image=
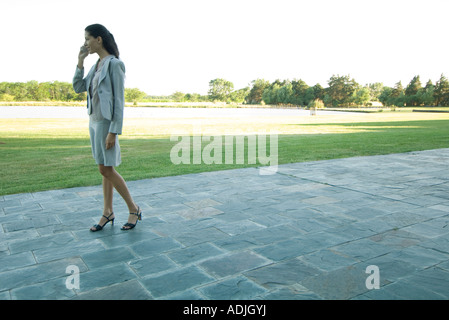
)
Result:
{"points": [[309, 231]]}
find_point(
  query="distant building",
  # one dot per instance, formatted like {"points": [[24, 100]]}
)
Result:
{"points": [[375, 104]]}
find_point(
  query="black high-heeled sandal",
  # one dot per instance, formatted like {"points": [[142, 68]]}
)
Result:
{"points": [[129, 226], [100, 227]]}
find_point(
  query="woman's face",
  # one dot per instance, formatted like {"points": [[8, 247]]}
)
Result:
{"points": [[92, 44]]}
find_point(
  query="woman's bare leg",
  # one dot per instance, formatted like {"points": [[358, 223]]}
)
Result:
{"points": [[115, 179], [108, 193]]}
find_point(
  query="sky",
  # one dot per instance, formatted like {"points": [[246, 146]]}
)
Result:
{"points": [[181, 45]]}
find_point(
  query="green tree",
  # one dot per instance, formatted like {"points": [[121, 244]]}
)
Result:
{"points": [[19, 91], [192, 97], [270, 94], [397, 97], [300, 88], [397, 90], [441, 92], [32, 88], [362, 96], [274, 93], [6, 97], [427, 94], [65, 91], [375, 90], [309, 96], [178, 96], [341, 90], [412, 92], [285, 93], [318, 91], [257, 88], [266, 95], [385, 96], [220, 89], [43, 93], [239, 96], [134, 95]]}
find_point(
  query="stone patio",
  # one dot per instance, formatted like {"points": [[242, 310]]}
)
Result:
{"points": [[307, 232]]}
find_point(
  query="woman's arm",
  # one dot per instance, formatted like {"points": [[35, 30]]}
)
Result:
{"points": [[117, 73], [79, 85]]}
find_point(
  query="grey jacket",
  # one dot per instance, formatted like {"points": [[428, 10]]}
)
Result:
{"points": [[111, 91]]}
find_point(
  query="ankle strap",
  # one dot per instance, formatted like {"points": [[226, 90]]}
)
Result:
{"points": [[138, 213], [108, 216]]}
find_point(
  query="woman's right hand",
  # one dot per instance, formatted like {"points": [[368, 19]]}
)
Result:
{"points": [[84, 52]]}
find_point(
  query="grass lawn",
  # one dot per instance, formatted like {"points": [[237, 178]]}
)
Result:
{"points": [[43, 154]]}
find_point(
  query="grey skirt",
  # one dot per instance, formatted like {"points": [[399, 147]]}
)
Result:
{"points": [[98, 132]]}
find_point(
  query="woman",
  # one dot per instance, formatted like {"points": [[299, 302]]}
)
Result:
{"points": [[105, 102]]}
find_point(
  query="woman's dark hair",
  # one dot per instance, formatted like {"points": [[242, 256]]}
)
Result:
{"points": [[98, 30]]}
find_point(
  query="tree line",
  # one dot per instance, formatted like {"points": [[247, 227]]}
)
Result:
{"points": [[35, 91], [52, 91], [342, 91]]}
